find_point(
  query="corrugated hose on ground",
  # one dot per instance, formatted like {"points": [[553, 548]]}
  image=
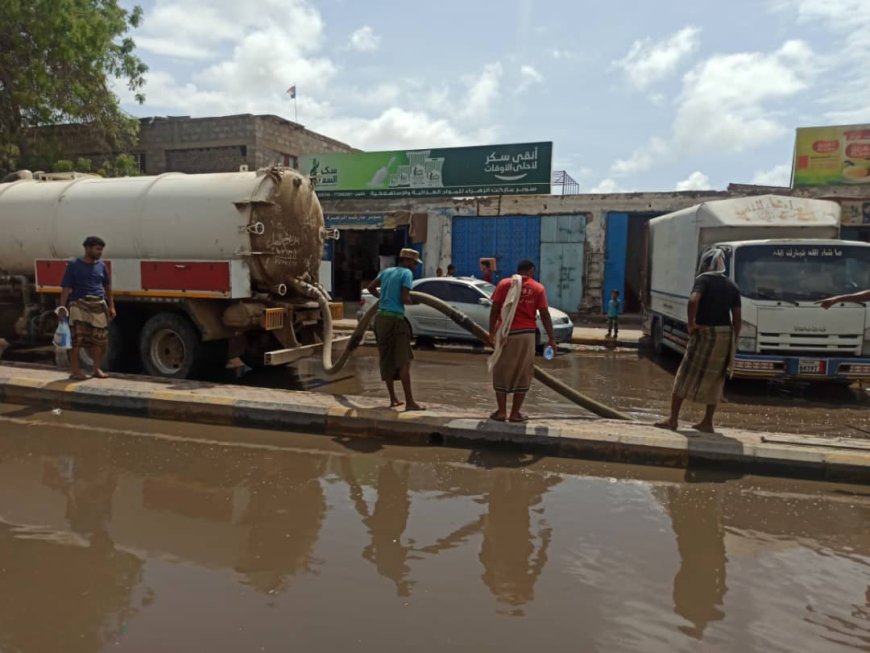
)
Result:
{"points": [[460, 318]]}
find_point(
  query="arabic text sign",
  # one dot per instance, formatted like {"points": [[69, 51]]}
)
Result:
{"points": [[363, 221], [826, 156], [806, 252], [523, 168]]}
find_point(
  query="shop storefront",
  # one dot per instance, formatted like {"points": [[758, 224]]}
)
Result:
{"points": [[368, 243]]}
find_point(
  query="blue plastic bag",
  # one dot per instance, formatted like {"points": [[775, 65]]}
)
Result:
{"points": [[62, 335]]}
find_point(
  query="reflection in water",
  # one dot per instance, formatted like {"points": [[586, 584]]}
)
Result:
{"points": [[215, 528], [284, 514], [516, 538], [92, 581], [699, 585], [512, 555], [387, 522]]}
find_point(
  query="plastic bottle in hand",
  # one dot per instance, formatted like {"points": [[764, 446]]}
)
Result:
{"points": [[549, 353]]}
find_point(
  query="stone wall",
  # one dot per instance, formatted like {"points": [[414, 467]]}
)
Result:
{"points": [[277, 140], [218, 144]]}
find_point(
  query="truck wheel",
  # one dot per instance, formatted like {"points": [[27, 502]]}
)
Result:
{"points": [[170, 346], [658, 336]]}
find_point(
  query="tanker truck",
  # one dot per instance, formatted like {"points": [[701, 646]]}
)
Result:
{"points": [[205, 268], [783, 254]]}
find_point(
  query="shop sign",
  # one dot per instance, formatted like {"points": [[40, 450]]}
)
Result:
{"points": [[523, 168], [830, 156], [356, 221]]}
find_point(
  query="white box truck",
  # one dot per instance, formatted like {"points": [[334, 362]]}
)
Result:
{"points": [[784, 255]]}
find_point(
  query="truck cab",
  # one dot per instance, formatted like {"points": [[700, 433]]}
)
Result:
{"points": [[785, 333], [784, 254]]}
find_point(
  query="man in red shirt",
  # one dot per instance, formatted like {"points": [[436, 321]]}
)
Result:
{"points": [[520, 300]]}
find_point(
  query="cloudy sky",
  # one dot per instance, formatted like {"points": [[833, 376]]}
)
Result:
{"points": [[634, 94]]}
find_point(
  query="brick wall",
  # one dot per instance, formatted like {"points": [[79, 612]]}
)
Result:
{"points": [[205, 159], [218, 144]]}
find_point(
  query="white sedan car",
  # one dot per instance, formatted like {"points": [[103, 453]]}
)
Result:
{"points": [[466, 294]]}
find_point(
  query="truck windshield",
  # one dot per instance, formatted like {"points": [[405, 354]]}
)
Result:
{"points": [[801, 272]]}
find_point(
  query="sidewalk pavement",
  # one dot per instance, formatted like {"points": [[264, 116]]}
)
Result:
{"points": [[342, 416], [628, 338]]}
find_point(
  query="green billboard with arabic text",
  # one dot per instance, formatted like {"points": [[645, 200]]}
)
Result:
{"points": [[515, 169]]}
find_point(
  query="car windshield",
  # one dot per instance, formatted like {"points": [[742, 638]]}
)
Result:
{"points": [[801, 272], [486, 288]]}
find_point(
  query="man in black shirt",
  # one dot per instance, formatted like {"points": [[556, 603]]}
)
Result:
{"points": [[714, 320]]}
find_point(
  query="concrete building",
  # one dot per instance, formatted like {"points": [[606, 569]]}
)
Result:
{"points": [[583, 245], [197, 145]]}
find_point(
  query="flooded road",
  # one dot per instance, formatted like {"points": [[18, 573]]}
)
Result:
{"points": [[631, 382], [124, 534], [634, 382]]}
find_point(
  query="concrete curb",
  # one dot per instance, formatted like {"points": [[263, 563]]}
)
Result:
{"points": [[347, 416]]}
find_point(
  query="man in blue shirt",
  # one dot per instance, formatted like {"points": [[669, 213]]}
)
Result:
{"points": [[392, 331], [86, 298]]}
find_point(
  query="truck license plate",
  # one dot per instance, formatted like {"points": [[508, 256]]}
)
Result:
{"points": [[812, 367]]}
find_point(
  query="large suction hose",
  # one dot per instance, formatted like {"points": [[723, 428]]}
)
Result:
{"points": [[460, 318]]}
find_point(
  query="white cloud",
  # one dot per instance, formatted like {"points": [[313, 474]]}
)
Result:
{"points": [[483, 91], [728, 104], [642, 158], [397, 128], [648, 61], [254, 69], [695, 181], [845, 87], [562, 55], [779, 175], [365, 40], [236, 61], [196, 29], [529, 73], [528, 77], [724, 101], [607, 186]]}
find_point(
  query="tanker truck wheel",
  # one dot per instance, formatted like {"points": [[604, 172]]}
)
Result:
{"points": [[170, 346]]}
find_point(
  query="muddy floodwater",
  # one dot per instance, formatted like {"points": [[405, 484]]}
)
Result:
{"points": [[637, 384], [120, 534]]}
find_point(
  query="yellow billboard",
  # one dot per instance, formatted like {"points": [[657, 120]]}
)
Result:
{"points": [[828, 156]]}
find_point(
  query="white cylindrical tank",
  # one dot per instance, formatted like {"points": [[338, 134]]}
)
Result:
{"points": [[270, 217]]}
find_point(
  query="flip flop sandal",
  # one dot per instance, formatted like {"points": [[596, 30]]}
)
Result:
{"points": [[494, 417]]}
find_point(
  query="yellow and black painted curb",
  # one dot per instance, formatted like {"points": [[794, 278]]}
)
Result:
{"points": [[347, 416]]}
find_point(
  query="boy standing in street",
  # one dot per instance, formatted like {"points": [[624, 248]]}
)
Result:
{"points": [[392, 331], [614, 308]]}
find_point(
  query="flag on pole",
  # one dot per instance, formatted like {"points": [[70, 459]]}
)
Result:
{"points": [[292, 92]]}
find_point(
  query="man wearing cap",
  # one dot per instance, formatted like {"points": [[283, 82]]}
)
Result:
{"points": [[392, 331]]}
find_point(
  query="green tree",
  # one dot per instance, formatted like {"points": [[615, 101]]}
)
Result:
{"points": [[57, 59], [63, 165]]}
